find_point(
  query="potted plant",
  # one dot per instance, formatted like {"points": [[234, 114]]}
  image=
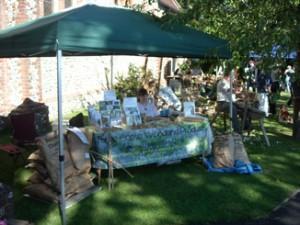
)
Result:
{"points": [[185, 68]]}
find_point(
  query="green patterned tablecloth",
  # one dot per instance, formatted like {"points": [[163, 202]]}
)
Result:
{"points": [[136, 147]]}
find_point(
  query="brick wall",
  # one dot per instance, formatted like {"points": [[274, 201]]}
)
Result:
{"points": [[20, 78], [83, 77]]}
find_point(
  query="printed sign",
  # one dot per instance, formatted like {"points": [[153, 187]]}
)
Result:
{"points": [[154, 145], [131, 110], [168, 96], [111, 113], [189, 109]]}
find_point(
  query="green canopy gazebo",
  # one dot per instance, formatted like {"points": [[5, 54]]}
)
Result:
{"points": [[91, 30]]}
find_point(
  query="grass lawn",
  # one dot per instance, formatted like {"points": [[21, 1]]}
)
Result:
{"points": [[177, 194]]}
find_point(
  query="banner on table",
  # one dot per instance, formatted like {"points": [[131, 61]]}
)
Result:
{"points": [[153, 145]]}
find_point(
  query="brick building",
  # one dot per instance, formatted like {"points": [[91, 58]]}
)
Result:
{"points": [[84, 77]]}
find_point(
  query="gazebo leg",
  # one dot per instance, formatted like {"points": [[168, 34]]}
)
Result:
{"points": [[261, 122], [224, 121], [98, 171]]}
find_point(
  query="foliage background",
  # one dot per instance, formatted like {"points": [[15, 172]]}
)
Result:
{"points": [[247, 24]]}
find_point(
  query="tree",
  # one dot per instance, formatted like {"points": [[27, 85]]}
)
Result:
{"points": [[248, 25]]}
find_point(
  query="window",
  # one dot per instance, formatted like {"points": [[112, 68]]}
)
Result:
{"points": [[48, 7], [68, 3]]}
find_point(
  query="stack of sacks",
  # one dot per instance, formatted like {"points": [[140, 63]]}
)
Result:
{"points": [[227, 149], [40, 185], [45, 181]]}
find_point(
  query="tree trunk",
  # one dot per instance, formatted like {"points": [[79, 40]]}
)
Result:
{"points": [[296, 98], [145, 63], [145, 67], [159, 76], [128, 3]]}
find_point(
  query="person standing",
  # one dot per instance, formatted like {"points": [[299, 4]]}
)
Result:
{"points": [[250, 72], [289, 79], [289, 74], [274, 90], [263, 87], [224, 95]]}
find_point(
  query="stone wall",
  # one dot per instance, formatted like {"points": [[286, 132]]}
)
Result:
{"points": [[19, 78]]}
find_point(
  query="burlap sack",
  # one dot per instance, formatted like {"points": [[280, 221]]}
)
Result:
{"points": [[41, 192], [73, 185], [89, 132], [36, 156], [84, 187], [49, 146], [239, 149], [38, 167], [77, 184], [227, 149], [79, 153], [36, 178], [223, 151]]}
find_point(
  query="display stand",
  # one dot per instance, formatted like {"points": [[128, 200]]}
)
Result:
{"points": [[110, 164], [217, 113], [257, 116]]}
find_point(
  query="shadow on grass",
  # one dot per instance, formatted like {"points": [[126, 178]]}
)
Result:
{"points": [[13, 173], [185, 193]]}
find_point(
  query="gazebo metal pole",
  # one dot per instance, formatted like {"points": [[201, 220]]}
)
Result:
{"points": [[230, 103], [173, 64], [111, 71], [62, 203]]}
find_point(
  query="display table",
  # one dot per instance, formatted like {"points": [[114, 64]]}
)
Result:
{"points": [[156, 142]]}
